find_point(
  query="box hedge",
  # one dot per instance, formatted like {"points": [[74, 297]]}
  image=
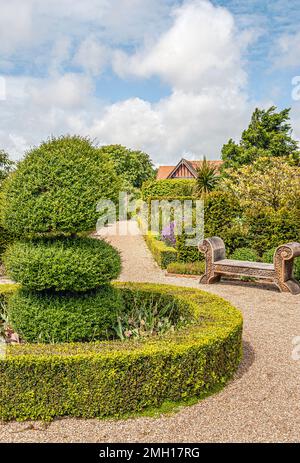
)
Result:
{"points": [[112, 379], [168, 188], [65, 264], [162, 253]]}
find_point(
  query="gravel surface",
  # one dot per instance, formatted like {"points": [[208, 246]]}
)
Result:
{"points": [[261, 404]]}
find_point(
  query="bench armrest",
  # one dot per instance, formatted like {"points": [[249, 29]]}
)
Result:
{"points": [[287, 251], [213, 248]]}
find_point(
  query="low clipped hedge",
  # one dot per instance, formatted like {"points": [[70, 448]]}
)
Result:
{"points": [[113, 379], [162, 253], [64, 317], [168, 188], [77, 264]]}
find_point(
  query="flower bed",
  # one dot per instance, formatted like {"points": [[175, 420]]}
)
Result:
{"points": [[114, 378]]}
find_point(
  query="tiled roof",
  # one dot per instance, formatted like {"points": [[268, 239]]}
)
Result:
{"points": [[164, 171]]}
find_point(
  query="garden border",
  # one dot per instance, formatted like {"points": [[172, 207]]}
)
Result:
{"points": [[112, 379]]}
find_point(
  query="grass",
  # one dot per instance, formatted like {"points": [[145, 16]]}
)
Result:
{"points": [[186, 268]]}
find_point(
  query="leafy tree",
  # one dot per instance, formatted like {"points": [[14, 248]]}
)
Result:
{"points": [[270, 183], [133, 166], [207, 178], [6, 165], [268, 135]]}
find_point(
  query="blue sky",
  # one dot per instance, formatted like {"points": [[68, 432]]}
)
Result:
{"points": [[172, 77]]}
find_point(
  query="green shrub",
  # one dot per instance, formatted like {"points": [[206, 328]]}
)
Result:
{"points": [[187, 253], [5, 240], [297, 268], [55, 189], [161, 253], [64, 317], [74, 264], [169, 188], [222, 215], [187, 268], [268, 256], [245, 254], [113, 379], [269, 229]]}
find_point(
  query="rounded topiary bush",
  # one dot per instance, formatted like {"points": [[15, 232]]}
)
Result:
{"points": [[55, 189], [245, 254], [65, 264], [65, 317]]}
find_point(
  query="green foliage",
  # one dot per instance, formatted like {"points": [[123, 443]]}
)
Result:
{"points": [[64, 317], [187, 268], [113, 379], [168, 189], [245, 254], [149, 314], [267, 182], [268, 228], [135, 167], [268, 256], [268, 135], [222, 215], [5, 240], [66, 264], [55, 189], [186, 253], [207, 178], [6, 165], [297, 268], [162, 253]]}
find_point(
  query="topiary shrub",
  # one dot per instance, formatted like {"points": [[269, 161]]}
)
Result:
{"points": [[114, 379], [245, 254], [65, 317], [65, 264], [55, 189], [50, 197]]}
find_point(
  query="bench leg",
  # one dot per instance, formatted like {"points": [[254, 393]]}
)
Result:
{"points": [[209, 279]]}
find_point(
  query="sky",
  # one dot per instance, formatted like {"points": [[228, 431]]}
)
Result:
{"points": [[174, 78]]}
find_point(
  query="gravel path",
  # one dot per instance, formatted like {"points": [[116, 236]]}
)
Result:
{"points": [[262, 403]]}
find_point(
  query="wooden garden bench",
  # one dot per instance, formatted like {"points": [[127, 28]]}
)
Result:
{"points": [[280, 272]]}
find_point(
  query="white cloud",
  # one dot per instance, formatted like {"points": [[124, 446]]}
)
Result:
{"points": [[287, 51], [197, 50], [66, 91], [92, 56], [200, 56], [202, 48]]}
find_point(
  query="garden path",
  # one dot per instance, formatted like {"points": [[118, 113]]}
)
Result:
{"points": [[261, 404]]}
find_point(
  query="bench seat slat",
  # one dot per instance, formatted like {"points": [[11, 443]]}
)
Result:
{"points": [[245, 264]]}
